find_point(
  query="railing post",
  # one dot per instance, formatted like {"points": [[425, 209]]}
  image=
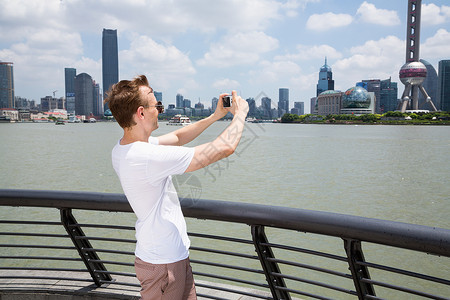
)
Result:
{"points": [[269, 267], [74, 230], [354, 254]]}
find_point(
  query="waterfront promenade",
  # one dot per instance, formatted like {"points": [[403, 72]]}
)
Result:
{"points": [[280, 258], [82, 288]]}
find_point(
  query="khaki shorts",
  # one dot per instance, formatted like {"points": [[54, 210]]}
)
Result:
{"points": [[165, 281]]}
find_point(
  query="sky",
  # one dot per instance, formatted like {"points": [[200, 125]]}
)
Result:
{"points": [[202, 48]]}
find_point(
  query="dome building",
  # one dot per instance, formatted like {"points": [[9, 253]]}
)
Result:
{"points": [[357, 100], [329, 102]]}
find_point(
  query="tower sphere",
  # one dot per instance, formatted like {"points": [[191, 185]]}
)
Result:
{"points": [[413, 73]]}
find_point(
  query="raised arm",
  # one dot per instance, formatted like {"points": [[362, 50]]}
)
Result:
{"points": [[186, 134], [226, 143]]}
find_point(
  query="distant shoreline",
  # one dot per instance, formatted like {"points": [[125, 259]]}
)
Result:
{"points": [[389, 118], [403, 123], [406, 123]]}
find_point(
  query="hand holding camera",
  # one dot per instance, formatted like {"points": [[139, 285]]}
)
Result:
{"points": [[235, 103]]}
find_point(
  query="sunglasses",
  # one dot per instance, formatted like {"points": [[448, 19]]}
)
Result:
{"points": [[159, 106]]}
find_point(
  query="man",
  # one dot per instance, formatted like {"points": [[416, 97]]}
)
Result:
{"points": [[145, 164]]}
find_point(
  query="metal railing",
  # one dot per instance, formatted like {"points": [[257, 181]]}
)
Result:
{"points": [[273, 252]]}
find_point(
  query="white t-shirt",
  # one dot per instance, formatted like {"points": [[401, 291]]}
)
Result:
{"points": [[145, 170]]}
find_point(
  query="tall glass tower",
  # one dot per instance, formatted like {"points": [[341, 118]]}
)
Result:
{"points": [[84, 94], [70, 74], [388, 95], [179, 101], [110, 61], [283, 101], [444, 84], [326, 81], [6, 85]]}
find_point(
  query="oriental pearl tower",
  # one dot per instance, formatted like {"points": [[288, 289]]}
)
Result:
{"points": [[413, 72]]}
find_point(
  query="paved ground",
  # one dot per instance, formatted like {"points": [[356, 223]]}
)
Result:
{"points": [[57, 288]]}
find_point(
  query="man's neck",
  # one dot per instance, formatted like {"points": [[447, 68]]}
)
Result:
{"points": [[133, 135]]}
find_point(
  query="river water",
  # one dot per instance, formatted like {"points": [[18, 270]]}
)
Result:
{"points": [[398, 173]]}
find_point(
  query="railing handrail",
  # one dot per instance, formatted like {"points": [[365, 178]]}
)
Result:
{"points": [[432, 240]]}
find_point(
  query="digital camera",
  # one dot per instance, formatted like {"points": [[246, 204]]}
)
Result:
{"points": [[227, 101]]}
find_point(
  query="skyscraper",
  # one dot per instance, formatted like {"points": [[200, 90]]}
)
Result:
{"points": [[373, 85], [299, 107], [6, 85], [444, 84], [266, 105], [179, 101], [110, 61], [214, 102], [326, 81], [69, 75], [431, 86], [49, 103], [98, 100], [158, 96], [251, 107], [84, 94], [385, 92], [388, 96], [283, 101]]}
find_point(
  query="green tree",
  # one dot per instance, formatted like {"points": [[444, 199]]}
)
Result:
{"points": [[369, 118], [289, 118], [394, 114]]}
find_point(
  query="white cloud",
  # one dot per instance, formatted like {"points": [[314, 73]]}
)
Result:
{"points": [[327, 21], [39, 60], [89, 66], [306, 53], [186, 87], [226, 84], [384, 47], [162, 64], [379, 59], [434, 15], [19, 18], [304, 82], [274, 72], [367, 12], [238, 49], [436, 47], [290, 7], [160, 18]]}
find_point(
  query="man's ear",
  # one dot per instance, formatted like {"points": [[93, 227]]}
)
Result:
{"points": [[140, 112]]}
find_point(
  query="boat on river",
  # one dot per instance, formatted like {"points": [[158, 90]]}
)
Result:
{"points": [[179, 120]]}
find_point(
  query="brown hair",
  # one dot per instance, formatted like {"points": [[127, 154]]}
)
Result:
{"points": [[124, 99]]}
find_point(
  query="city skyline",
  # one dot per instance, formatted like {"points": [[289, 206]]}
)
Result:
{"points": [[260, 47]]}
